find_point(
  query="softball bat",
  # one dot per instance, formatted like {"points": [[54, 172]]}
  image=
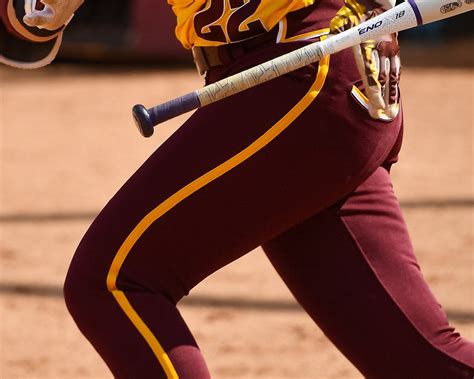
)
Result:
{"points": [[406, 15]]}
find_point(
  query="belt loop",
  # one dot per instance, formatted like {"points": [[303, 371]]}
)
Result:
{"points": [[200, 60]]}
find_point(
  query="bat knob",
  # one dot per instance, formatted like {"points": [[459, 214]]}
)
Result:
{"points": [[142, 120]]}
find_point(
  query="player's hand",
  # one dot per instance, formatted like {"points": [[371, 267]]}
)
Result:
{"points": [[54, 15], [378, 60]]}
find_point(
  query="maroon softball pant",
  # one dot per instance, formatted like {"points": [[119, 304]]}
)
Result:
{"points": [[294, 165]]}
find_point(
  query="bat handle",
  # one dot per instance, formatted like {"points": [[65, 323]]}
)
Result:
{"points": [[146, 119]]}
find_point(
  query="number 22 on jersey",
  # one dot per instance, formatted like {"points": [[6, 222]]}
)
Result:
{"points": [[226, 21]]}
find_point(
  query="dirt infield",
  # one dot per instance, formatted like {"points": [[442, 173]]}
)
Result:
{"points": [[64, 154]]}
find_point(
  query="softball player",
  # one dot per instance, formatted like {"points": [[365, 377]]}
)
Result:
{"points": [[299, 165]]}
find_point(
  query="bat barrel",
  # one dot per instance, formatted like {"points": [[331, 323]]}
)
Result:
{"points": [[434, 10]]}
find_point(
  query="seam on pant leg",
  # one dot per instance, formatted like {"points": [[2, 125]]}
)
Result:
{"points": [[354, 239], [184, 193]]}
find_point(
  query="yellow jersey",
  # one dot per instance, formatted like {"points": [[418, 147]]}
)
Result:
{"points": [[218, 22]]}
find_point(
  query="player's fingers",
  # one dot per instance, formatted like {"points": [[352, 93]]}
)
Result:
{"points": [[394, 79], [390, 72], [384, 64], [370, 73], [392, 88], [29, 6], [370, 62], [37, 18], [384, 73]]}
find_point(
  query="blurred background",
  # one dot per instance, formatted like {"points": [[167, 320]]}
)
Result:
{"points": [[67, 143], [143, 30]]}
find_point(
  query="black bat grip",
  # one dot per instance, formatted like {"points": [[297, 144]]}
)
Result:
{"points": [[146, 119]]}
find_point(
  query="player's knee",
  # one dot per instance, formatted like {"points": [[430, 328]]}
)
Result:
{"points": [[75, 294], [81, 287]]}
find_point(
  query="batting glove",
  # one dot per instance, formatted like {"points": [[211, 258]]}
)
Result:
{"points": [[54, 15], [378, 61]]}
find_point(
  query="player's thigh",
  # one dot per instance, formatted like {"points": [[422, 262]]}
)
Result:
{"points": [[204, 198], [237, 173], [352, 268]]}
